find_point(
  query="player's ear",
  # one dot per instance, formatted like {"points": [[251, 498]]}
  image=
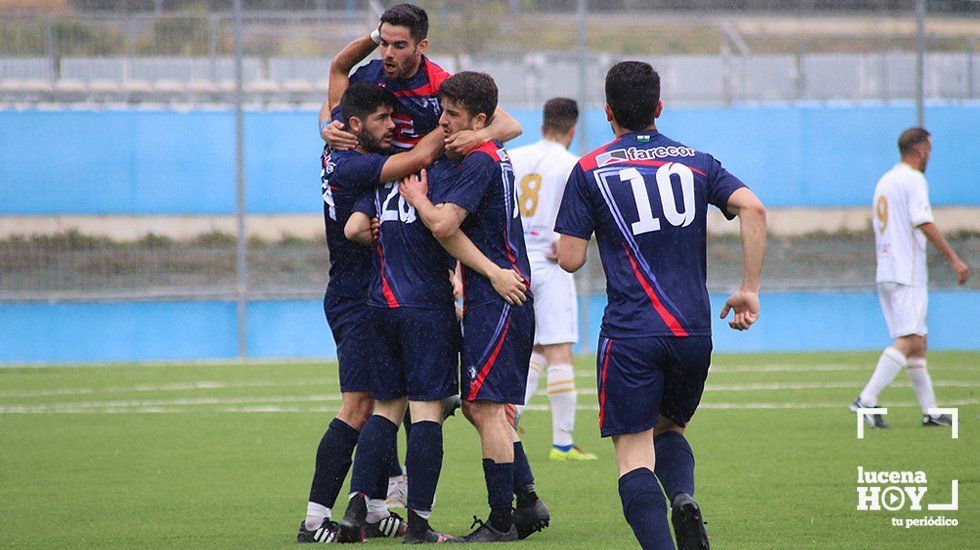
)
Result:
{"points": [[423, 46], [479, 121], [355, 125], [660, 108], [609, 115]]}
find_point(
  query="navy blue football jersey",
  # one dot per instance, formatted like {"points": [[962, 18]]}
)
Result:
{"points": [[410, 267], [646, 198], [483, 185], [345, 176], [418, 108]]}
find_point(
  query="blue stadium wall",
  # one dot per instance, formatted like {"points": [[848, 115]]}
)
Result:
{"points": [[164, 162], [131, 162], [89, 332]]}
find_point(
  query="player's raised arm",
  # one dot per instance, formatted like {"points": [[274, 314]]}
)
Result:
{"points": [[410, 162], [752, 228], [503, 127], [339, 78], [935, 236]]}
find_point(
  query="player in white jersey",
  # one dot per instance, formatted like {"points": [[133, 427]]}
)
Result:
{"points": [[541, 170], [902, 224]]}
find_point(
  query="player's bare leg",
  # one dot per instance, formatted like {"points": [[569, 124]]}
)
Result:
{"points": [[563, 398], [641, 496], [675, 469], [374, 449], [333, 462], [497, 439]]}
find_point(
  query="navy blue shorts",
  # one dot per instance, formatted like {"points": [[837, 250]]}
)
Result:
{"points": [[497, 343], [354, 334], [417, 353], [639, 379]]}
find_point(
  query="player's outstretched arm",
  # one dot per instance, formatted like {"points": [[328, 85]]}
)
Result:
{"points": [[331, 131], [572, 252], [503, 127], [752, 228], [935, 236], [361, 229], [410, 162], [443, 221]]}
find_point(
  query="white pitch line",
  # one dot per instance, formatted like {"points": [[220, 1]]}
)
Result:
{"points": [[275, 409], [184, 386], [777, 386], [167, 403]]}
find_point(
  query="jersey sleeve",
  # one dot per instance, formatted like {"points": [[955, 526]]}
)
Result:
{"points": [[365, 203], [468, 184], [360, 173], [721, 185], [920, 211], [575, 212]]}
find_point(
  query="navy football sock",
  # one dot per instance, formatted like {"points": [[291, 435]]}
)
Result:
{"points": [[373, 452], [645, 509], [394, 465], [500, 492], [523, 478], [675, 464], [333, 461], [380, 489], [424, 462]]}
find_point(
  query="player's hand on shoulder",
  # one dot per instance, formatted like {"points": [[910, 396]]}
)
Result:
{"points": [[962, 271], [336, 137], [414, 188], [510, 286], [745, 306], [462, 142]]}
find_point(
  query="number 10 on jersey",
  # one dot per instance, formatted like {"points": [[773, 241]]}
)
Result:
{"points": [[647, 222]]}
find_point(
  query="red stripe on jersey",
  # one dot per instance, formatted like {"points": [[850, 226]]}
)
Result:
{"points": [[588, 162], [385, 287], [488, 366], [489, 148], [672, 323], [602, 383]]}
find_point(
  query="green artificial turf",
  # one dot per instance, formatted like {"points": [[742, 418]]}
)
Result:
{"points": [[220, 455]]}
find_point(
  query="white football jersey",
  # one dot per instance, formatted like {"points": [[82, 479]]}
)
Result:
{"points": [[540, 173], [901, 204]]}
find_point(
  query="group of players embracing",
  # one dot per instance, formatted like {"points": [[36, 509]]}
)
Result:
{"points": [[420, 208]]}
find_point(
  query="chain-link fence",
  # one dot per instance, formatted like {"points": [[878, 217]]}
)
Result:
{"points": [[139, 56]]}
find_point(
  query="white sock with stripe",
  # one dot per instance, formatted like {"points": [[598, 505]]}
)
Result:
{"points": [[377, 510], [563, 397], [889, 364], [537, 364], [922, 384], [315, 514]]}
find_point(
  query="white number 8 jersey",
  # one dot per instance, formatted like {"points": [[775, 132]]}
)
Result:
{"points": [[540, 173]]}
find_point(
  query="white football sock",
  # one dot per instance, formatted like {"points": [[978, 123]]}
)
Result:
{"points": [[377, 510], [889, 364], [562, 396], [922, 384], [315, 514], [538, 364]]}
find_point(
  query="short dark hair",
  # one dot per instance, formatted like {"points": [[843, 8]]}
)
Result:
{"points": [[408, 15], [477, 92], [633, 93], [362, 99], [911, 138], [560, 114]]}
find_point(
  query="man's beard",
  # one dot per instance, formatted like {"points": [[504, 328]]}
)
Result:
{"points": [[372, 145]]}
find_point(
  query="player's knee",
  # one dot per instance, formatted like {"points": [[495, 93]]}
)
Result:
{"points": [[356, 408], [483, 413], [665, 425], [465, 406], [558, 354]]}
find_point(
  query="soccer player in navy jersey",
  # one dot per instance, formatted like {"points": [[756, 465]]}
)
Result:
{"points": [[475, 201], [347, 175], [405, 70], [645, 197], [410, 295]]}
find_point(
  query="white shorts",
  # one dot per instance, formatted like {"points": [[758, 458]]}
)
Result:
{"points": [[555, 304], [905, 308]]}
